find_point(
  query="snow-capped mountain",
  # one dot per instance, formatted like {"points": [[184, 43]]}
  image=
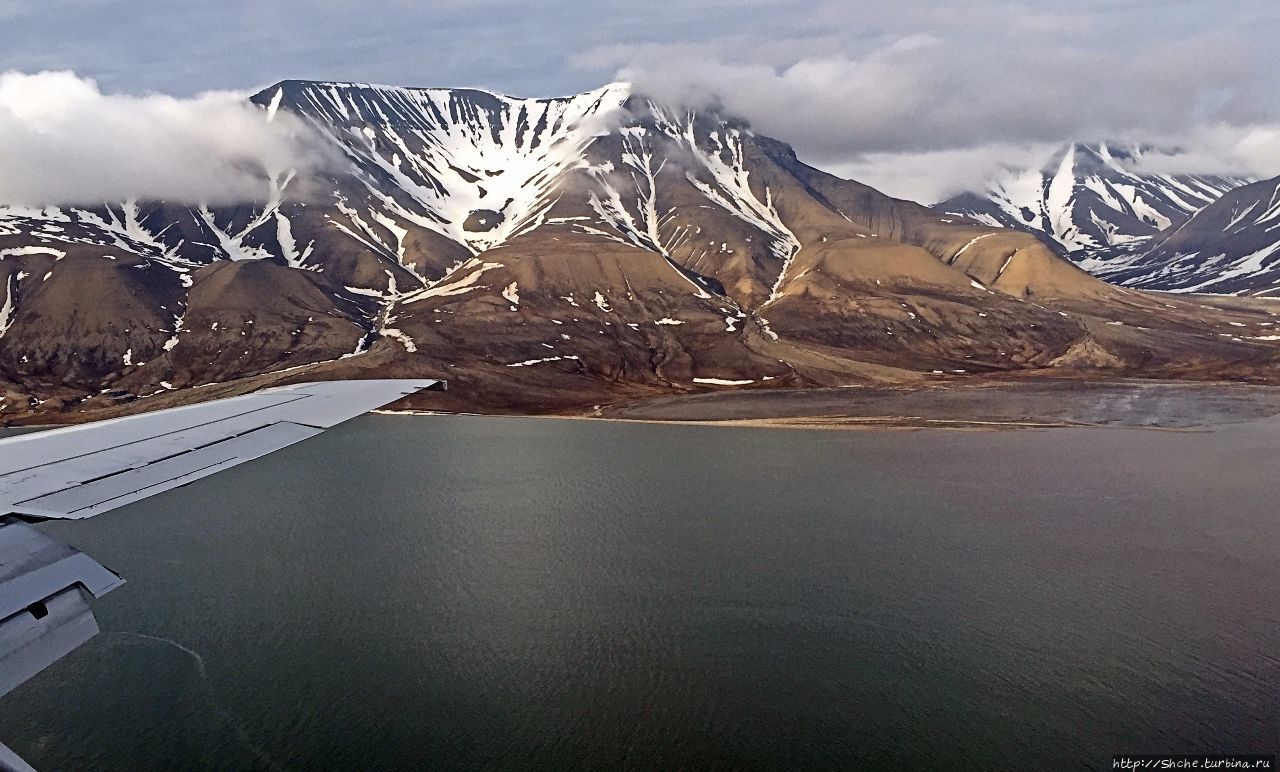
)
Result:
{"points": [[1090, 199], [1231, 246], [547, 254], [472, 167]]}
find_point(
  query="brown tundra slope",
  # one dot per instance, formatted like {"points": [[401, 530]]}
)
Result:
{"points": [[555, 255]]}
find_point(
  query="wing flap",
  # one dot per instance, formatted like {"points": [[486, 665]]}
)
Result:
{"points": [[78, 501], [45, 588]]}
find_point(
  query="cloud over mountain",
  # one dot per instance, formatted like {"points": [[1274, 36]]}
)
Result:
{"points": [[63, 141], [876, 85], [946, 87]]}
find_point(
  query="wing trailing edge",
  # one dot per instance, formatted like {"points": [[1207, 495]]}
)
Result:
{"points": [[81, 471]]}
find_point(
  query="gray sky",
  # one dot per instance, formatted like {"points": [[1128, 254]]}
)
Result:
{"points": [[915, 98]]}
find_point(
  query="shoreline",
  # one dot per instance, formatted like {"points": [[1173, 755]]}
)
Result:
{"points": [[1159, 406], [983, 406], [821, 423]]}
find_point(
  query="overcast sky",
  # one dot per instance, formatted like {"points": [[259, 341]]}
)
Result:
{"points": [[919, 99]]}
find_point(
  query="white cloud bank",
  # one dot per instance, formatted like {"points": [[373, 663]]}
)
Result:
{"points": [[938, 99], [63, 141], [935, 175]]}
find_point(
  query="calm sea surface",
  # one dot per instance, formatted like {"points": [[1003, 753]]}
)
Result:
{"points": [[505, 593]]}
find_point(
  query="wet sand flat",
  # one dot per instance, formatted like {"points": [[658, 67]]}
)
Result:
{"points": [[1145, 404]]}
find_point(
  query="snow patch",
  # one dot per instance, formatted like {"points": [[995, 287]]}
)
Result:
{"points": [[529, 362], [32, 250], [6, 310], [400, 336]]}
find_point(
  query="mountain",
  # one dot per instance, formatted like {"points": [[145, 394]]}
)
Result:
{"points": [[554, 255], [1091, 200], [1231, 246]]}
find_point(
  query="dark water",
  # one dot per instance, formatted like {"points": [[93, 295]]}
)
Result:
{"points": [[452, 592]]}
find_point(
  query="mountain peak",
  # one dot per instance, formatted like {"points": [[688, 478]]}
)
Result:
{"points": [[1090, 197], [292, 89]]}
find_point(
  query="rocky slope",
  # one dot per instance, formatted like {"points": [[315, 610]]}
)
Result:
{"points": [[554, 255], [1091, 200]]}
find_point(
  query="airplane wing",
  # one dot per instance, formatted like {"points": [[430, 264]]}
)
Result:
{"points": [[81, 471]]}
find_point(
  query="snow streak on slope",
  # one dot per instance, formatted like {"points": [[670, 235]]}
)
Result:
{"points": [[115, 227], [475, 167], [6, 310], [703, 152], [644, 228], [727, 181], [1090, 199]]}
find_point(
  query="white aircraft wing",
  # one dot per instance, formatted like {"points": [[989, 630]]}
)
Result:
{"points": [[81, 471]]}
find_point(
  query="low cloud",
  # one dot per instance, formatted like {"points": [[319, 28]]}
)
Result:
{"points": [[936, 175], [935, 102], [926, 92], [63, 141], [1248, 150]]}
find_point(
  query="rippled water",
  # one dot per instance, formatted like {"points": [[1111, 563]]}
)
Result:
{"points": [[457, 592]]}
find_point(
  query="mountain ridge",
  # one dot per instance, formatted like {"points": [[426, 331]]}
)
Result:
{"points": [[1090, 199], [554, 254], [1228, 247]]}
